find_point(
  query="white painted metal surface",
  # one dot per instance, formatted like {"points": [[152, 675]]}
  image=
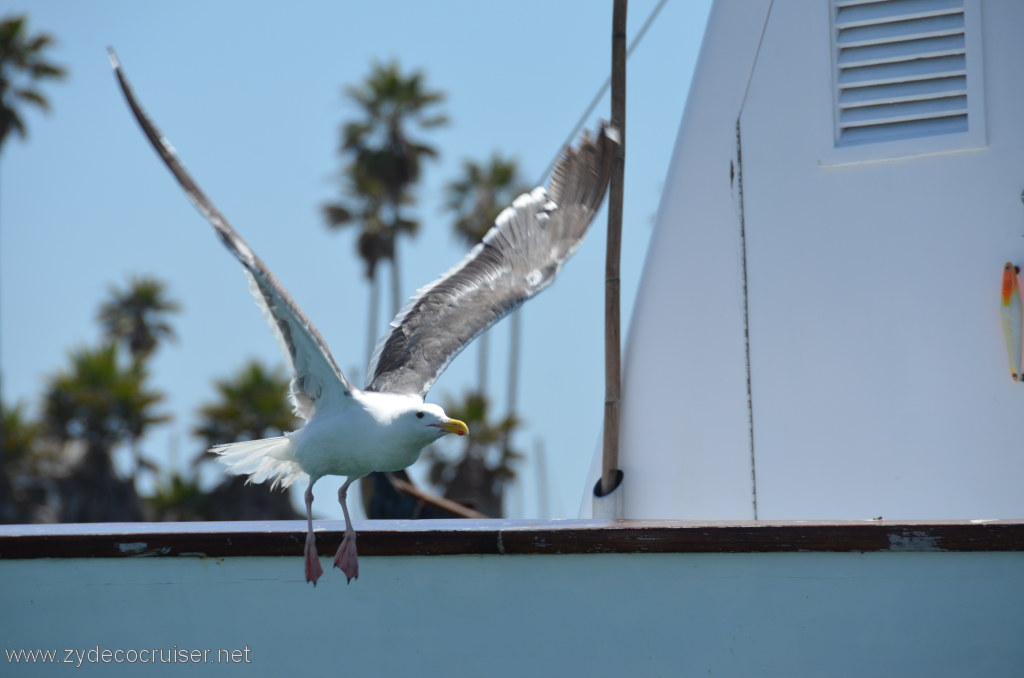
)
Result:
{"points": [[863, 289]]}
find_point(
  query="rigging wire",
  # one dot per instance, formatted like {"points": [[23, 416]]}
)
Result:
{"points": [[637, 39]]}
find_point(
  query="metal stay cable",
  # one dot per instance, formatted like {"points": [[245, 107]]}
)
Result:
{"points": [[601, 92]]}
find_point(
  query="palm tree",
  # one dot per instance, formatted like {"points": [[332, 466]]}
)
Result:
{"points": [[179, 498], [90, 408], [366, 200], [382, 165], [476, 199], [250, 405], [480, 194], [136, 316], [22, 65], [477, 478], [22, 496], [383, 162]]}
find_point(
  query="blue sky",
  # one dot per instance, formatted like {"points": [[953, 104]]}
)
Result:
{"points": [[250, 95]]}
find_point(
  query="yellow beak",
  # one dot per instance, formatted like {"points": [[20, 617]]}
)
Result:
{"points": [[455, 426]]}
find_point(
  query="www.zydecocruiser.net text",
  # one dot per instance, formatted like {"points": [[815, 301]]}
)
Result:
{"points": [[78, 657]]}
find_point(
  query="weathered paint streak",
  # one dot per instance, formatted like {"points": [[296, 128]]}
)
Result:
{"points": [[914, 541]]}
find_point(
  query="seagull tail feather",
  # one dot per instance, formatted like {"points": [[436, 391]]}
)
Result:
{"points": [[265, 459]]}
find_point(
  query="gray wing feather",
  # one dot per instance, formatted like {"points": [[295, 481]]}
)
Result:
{"points": [[306, 352], [519, 257]]}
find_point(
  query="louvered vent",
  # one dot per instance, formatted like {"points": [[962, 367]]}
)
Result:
{"points": [[900, 69]]}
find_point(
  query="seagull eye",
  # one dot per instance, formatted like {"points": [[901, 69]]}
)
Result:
{"points": [[419, 415]]}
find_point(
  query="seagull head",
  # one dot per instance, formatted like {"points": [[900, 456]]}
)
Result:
{"points": [[409, 418], [423, 423], [433, 418]]}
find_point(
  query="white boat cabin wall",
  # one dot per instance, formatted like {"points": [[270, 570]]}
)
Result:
{"points": [[817, 332]]}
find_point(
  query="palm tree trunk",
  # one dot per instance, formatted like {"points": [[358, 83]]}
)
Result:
{"points": [[481, 366], [396, 283], [513, 381], [372, 321], [513, 369]]}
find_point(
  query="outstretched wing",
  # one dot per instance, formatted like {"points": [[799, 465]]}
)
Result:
{"points": [[519, 257], [314, 372]]}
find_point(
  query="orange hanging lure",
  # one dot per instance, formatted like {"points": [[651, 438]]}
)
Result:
{"points": [[1010, 310]]}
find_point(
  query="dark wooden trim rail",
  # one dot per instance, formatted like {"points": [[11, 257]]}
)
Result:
{"points": [[455, 537]]}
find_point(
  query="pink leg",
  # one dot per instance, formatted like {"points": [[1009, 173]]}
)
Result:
{"points": [[346, 558], [313, 569]]}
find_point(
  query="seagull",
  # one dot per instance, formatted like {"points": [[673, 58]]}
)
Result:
{"points": [[353, 432]]}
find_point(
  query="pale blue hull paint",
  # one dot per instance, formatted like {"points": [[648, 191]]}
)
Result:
{"points": [[783, 614]]}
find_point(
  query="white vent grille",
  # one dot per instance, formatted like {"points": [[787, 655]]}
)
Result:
{"points": [[901, 69]]}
